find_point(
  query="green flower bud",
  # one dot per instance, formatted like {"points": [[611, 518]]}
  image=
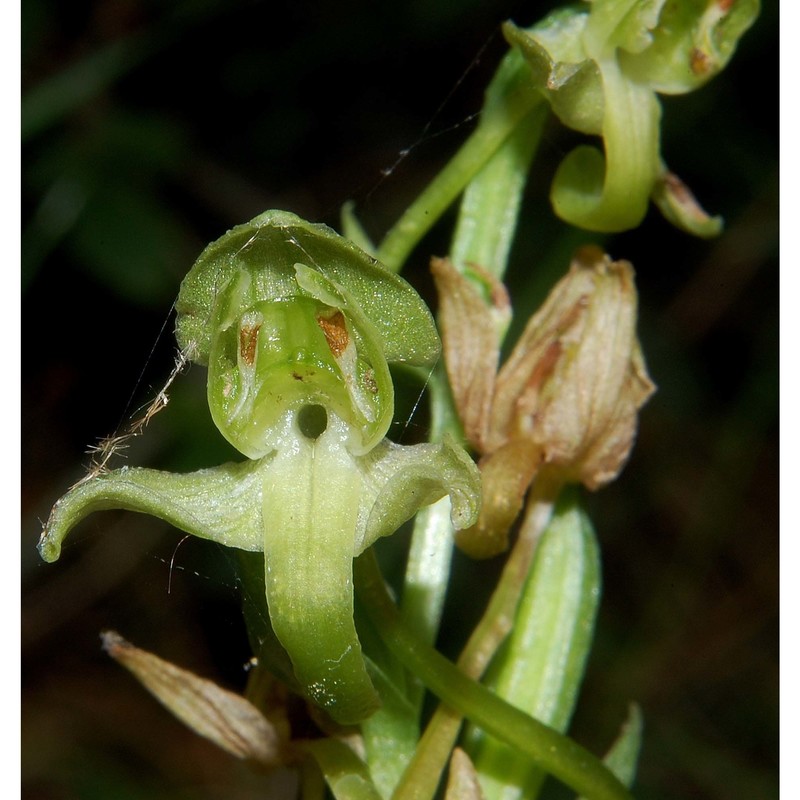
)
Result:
{"points": [[600, 66]]}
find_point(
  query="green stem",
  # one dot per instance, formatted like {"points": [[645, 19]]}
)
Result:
{"points": [[490, 206], [430, 553], [424, 772], [345, 773], [423, 213], [548, 749], [428, 567]]}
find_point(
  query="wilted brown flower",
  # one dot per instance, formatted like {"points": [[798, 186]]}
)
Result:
{"points": [[565, 401], [229, 720]]}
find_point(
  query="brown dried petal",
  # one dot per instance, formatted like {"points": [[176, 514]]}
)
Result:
{"points": [[606, 456], [679, 205], [462, 781], [225, 718], [556, 325], [471, 342], [576, 379]]}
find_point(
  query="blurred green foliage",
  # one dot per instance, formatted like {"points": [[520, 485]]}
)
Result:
{"points": [[149, 129]]}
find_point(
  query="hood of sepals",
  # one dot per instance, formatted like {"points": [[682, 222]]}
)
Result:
{"points": [[690, 43], [268, 248], [286, 313], [672, 47]]}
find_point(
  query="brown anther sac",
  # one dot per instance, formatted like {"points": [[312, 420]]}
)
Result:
{"points": [[248, 341], [725, 5], [335, 330], [700, 62], [369, 382]]}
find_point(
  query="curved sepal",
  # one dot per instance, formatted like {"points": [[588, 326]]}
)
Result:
{"points": [[220, 504]]}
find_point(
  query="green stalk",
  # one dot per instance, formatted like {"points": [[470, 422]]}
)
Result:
{"points": [[430, 553], [485, 231], [345, 773], [548, 749], [482, 144], [428, 566], [487, 219], [424, 772], [486, 225]]}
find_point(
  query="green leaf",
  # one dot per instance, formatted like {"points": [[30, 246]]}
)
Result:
{"points": [[623, 756], [390, 734], [541, 668]]}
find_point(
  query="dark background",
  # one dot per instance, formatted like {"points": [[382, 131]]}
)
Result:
{"points": [[148, 130]]}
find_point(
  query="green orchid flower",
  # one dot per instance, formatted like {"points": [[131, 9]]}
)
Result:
{"points": [[297, 327], [600, 65]]}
